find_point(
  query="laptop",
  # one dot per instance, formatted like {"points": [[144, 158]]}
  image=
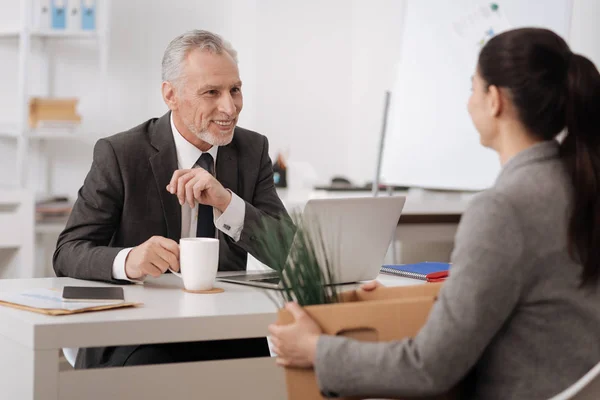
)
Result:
{"points": [[356, 231]]}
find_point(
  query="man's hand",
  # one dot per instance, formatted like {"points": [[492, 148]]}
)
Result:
{"points": [[153, 257], [197, 185]]}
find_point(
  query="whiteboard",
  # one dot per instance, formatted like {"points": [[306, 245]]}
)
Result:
{"points": [[430, 140]]}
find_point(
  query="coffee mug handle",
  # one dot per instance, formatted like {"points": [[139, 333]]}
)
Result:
{"points": [[176, 273]]}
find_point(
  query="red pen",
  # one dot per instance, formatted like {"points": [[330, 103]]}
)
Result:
{"points": [[437, 276]]}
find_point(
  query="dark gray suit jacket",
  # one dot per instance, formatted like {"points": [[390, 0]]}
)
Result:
{"points": [[124, 201]]}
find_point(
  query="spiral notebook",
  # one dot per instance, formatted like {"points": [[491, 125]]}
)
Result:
{"points": [[426, 271]]}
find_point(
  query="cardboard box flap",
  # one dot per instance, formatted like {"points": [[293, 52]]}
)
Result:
{"points": [[372, 316], [400, 292]]}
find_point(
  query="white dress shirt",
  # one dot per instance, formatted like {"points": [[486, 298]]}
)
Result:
{"points": [[230, 222]]}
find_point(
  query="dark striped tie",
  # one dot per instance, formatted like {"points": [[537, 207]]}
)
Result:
{"points": [[206, 226]]}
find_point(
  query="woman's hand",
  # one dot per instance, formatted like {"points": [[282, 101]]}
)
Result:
{"points": [[370, 286], [296, 344]]}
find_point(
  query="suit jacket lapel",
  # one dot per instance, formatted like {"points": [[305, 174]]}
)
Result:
{"points": [[163, 164], [227, 167]]}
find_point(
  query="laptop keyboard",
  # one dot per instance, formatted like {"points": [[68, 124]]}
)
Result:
{"points": [[274, 281], [267, 275]]}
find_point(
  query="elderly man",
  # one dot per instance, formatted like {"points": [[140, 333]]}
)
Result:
{"points": [[191, 172]]}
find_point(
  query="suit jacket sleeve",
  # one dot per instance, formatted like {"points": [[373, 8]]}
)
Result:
{"points": [[82, 250], [266, 209]]}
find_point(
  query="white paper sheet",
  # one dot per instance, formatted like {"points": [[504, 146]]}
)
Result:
{"points": [[48, 299]]}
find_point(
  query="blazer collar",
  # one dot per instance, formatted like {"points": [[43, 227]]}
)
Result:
{"points": [[538, 152], [163, 164]]}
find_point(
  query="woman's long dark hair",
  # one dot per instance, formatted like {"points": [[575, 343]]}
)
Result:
{"points": [[553, 88]]}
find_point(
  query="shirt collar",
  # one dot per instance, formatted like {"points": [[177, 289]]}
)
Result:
{"points": [[187, 153]]}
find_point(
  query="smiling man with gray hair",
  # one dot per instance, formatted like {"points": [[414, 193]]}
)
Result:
{"points": [[192, 172]]}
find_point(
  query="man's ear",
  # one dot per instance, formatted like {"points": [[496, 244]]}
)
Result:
{"points": [[494, 101], [169, 97]]}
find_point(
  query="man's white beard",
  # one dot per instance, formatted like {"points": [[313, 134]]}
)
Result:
{"points": [[215, 140], [208, 137]]}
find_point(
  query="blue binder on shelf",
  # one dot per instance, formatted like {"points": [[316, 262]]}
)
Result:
{"points": [[58, 14], [88, 15], [426, 271]]}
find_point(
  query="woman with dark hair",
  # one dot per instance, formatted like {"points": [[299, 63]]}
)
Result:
{"points": [[520, 313]]}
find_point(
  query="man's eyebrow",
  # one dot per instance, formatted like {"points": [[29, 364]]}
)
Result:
{"points": [[206, 88]]}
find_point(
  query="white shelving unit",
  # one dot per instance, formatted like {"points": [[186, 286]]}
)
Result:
{"points": [[16, 234], [8, 32], [25, 35], [53, 228]]}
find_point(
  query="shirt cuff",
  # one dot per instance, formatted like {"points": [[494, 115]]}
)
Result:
{"points": [[231, 222], [118, 270]]}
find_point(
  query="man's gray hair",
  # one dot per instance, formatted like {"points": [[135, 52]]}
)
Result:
{"points": [[180, 47]]}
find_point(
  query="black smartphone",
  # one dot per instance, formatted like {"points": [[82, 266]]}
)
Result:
{"points": [[93, 293]]}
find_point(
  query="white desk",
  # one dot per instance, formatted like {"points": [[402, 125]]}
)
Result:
{"points": [[418, 201], [30, 344]]}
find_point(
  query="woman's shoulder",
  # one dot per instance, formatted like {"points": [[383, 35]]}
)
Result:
{"points": [[491, 206], [524, 200], [534, 181]]}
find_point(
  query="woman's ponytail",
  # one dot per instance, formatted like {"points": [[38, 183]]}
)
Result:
{"points": [[581, 153]]}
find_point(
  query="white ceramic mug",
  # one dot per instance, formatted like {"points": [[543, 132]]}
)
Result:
{"points": [[198, 262]]}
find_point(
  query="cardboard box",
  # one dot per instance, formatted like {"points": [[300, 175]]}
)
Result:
{"points": [[385, 314], [53, 111]]}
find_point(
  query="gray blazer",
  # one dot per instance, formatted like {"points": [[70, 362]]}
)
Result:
{"points": [[510, 316], [124, 201]]}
